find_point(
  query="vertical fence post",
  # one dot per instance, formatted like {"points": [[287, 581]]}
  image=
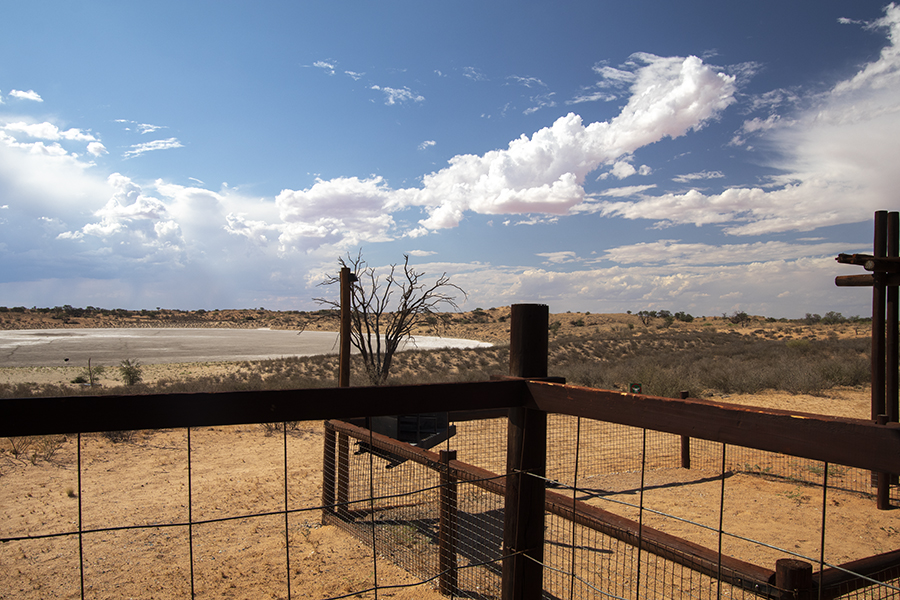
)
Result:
{"points": [[447, 529], [328, 472], [883, 480], [879, 350], [523, 527], [343, 473], [344, 370], [335, 468], [795, 576], [878, 318], [892, 334], [685, 443]]}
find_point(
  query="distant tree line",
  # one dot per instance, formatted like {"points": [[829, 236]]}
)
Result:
{"points": [[832, 318], [647, 316]]}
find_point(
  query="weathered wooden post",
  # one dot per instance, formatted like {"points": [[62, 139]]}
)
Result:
{"points": [[884, 264], [685, 443], [336, 461], [882, 480], [792, 575], [892, 334], [447, 528], [343, 474], [344, 371], [328, 473], [523, 527], [879, 290]]}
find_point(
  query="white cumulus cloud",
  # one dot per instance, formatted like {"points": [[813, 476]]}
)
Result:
{"points": [[47, 131], [545, 173], [340, 212], [97, 149], [837, 160], [29, 95], [398, 95], [138, 149], [325, 66], [686, 177]]}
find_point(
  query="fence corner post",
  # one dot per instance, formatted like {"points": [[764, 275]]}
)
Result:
{"points": [[328, 473], [685, 441], [793, 575], [447, 527], [523, 526], [343, 475]]}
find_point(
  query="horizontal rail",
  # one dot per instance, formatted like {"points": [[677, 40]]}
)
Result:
{"points": [[71, 414], [838, 582], [849, 442], [887, 264], [890, 279]]}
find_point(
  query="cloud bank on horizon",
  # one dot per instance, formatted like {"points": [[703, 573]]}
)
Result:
{"points": [[582, 213]]}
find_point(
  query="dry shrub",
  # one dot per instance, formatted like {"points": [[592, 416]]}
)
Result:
{"points": [[671, 362]]}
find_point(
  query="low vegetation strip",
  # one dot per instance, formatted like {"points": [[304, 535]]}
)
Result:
{"points": [[665, 361]]}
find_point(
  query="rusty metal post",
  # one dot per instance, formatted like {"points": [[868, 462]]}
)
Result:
{"points": [[344, 373], [795, 576], [447, 527], [685, 443], [523, 527]]}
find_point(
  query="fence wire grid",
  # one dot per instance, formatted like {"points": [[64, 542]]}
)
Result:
{"points": [[184, 538], [627, 471]]}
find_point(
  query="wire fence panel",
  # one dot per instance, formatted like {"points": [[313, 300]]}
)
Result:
{"points": [[238, 510], [207, 513], [632, 473], [887, 588]]}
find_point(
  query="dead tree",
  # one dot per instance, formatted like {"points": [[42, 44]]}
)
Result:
{"points": [[384, 313]]}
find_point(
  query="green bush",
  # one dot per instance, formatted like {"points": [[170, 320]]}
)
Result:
{"points": [[131, 371]]}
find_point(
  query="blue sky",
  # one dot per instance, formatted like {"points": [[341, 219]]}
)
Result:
{"points": [[595, 156]]}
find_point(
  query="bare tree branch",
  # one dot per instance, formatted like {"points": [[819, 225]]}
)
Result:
{"points": [[384, 313]]}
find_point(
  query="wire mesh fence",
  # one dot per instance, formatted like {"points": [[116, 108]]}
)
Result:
{"points": [[608, 448], [623, 518], [199, 513], [628, 474]]}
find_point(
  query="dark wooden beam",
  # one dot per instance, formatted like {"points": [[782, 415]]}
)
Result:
{"points": [[865, 280], [886, 264], [851, 442], [70, 414], [837, 582]]}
